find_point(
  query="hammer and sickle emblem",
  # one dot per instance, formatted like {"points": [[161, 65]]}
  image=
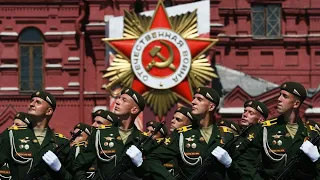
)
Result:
{"points": [[155, 51]]}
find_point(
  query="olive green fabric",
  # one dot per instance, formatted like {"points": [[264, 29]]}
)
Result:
{"points": [[21, 150]]}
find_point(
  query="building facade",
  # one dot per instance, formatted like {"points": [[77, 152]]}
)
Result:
{"points": [[56, 45]]}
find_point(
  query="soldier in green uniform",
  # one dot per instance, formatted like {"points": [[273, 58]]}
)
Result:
{"points": [[162, 133], [109, 144], [279, 139], [100, 117], [80, 143], [22, 147], [20, 119], [254, 112], [191, 145]]}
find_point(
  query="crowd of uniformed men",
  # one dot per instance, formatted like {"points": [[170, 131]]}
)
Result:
{"points": [[256, 148]]}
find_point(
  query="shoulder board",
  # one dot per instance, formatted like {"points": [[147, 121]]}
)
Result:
{"points": [[60, 136], [17, 128], [227, 130], [184, 129], [104, 127], [269, 122], [312, 126], [144, 134], [82, 143], [159, 140]]}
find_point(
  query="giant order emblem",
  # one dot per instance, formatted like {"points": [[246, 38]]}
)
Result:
{"points": [[161, 59]]}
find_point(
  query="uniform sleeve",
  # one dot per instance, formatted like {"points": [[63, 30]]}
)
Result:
{"points": [[66, 160], [164, 153], [245, 156], [4, 147], [84, 159]]}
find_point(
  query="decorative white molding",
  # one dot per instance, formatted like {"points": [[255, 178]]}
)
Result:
{"points": [[53, 66], [9, 34], [231, 110], [283, 35], [90, 92], [54, 88], [8, 66], [73, 58], [71, 93], [313, 111], [9, 89], [216, 25], [73, 84], [51, 33], [96, 24], [96, 108]]}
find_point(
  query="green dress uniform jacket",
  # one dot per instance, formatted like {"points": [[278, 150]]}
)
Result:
{"points": [[240, 149], [273, 141], [5, 172], [105, 145], [21, 150], [80, 147], [190, 148]]}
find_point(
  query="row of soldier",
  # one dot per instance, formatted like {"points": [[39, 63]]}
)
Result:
{"points": [[256, 148]]}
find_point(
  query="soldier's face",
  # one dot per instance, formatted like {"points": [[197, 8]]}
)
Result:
{"points": [[179, 120], [124, 105], [39, 107], [201, 105], [250, 116], [82, 137], [286, 102], [98, 121], [150, 130], [18, 122]]}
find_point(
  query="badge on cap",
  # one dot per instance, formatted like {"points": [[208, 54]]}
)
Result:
{"points": [[189, 115], [209, 96], [250, 102], [38, 93], [296, 92], [284, 86]]}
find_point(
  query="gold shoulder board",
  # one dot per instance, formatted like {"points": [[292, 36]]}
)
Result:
{"points": [[269, 122]]}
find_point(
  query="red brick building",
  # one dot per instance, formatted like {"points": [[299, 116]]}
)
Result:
{"points": [[56, 45]]}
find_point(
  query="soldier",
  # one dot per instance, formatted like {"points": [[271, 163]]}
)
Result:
{"points": [[100, 117], [109, 144], [279, 139], [181, 118], [20, 119], [254, 112], [191, 145], [151, 125], [22, 147]]}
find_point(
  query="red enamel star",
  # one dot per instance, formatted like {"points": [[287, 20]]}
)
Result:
{"points": [[161, 20]]}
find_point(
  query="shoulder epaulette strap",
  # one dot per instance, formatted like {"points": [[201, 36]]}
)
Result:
{"points": [[104, 126], [17, 128], [269, 122], [60, 136], [227, 129], [82, 143], [144, 133], [313, 126], [184, 129], [159, 140]]}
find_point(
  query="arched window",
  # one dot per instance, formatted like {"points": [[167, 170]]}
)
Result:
{"points": [[31, 55]]}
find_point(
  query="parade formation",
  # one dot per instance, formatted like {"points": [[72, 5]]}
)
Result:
{"points": [[161, 63]]}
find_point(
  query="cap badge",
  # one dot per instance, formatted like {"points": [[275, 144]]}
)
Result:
{"points": [[259, 109], [126, 91], [209, 96], [284, 86], [48, 99], [135, 98], [38, 93], [189, 115], [109, 118], [296, 92]]}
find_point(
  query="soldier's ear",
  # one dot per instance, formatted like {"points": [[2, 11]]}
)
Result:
{"points": [[49, 111], [261, 119], [212, 107], [135, 110]]}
